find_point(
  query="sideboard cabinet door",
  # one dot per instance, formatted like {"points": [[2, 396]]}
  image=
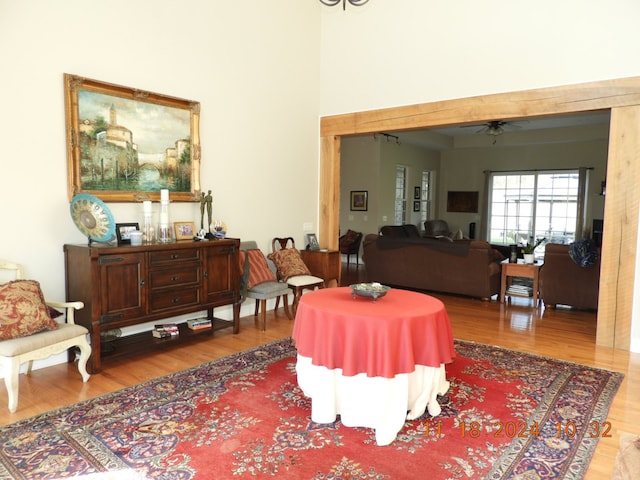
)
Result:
{"points": [[221, 274], [122, 286]]}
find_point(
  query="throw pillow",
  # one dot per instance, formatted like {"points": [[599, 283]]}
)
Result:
{"points": [[584, 252], [22, 310], [348, 238], [259, 271], [289, 263]]}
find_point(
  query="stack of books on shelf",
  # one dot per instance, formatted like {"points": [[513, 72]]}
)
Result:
{"points": [[199, 323], [520, 290], [166, 330]]}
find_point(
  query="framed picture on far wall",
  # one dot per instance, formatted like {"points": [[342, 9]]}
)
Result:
{"points": [[359, 200], [416, 205], [466, 202]]}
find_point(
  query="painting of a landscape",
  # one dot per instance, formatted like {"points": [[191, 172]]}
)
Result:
{"points": [[130, 145]]}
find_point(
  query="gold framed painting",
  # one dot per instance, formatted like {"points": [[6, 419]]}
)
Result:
{"points": [[126, 144]]}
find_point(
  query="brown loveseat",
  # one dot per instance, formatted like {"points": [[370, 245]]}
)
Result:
{"points": [[406, 260], [563, 282]]}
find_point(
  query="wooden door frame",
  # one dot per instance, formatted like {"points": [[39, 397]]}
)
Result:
{"points": [[620, 96]]}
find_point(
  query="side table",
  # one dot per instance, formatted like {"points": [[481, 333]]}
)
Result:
{"points": [[525, 270], [324, 264]]}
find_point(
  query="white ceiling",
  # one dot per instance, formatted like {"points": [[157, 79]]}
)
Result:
{"points": [[529, 130]]}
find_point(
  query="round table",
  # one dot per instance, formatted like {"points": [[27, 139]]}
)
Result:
{"points": [[371, 362]]}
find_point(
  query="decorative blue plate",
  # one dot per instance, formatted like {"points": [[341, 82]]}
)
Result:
{"points": [[92, 217]]}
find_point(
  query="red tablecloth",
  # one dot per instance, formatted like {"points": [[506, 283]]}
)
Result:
{"points": [[382, 339]]}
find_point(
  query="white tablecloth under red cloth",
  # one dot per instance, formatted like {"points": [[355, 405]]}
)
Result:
{"points": [[371, 363]]}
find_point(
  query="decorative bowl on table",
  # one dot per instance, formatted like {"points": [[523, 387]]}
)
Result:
{"points": [[374, 290]]}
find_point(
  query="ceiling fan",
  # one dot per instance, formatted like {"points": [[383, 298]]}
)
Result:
{"points": [[493, 127]]}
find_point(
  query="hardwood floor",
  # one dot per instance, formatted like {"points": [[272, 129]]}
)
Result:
{"points": [[559, 333]]}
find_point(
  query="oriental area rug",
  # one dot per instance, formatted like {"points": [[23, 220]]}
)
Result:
{"points": [[506, 415]]}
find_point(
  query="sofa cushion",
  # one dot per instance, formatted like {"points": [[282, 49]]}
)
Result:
{"points": [[411, 230], [259, 271], [23, 310], [436, 228], [400, 231], [289, 263], [393, 231]]}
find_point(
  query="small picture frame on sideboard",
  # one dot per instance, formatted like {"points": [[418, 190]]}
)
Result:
{"points": [[185, 230], [123, 232]]}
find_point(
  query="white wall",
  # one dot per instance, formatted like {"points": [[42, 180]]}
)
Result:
{"points": [[403, 52], [369, 163], [360, 169], [253, 66]]}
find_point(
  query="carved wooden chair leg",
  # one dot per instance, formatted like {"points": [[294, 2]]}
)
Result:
{"points": [[85, 353], [286, 307], [263, 314]]}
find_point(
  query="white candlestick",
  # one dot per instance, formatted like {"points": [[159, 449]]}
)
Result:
{"points": [[164, 195], [147, 206]]}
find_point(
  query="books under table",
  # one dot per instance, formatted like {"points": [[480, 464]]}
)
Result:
{"points": [[166, 330], [520, 290], [199, 323]]}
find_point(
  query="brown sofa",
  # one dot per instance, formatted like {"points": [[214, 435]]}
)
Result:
{"points": [[563, 282], [464, 267]]}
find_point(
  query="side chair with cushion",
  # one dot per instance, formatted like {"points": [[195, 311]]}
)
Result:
{"points": [[349, 244], [258, 281], [292, 269], [28, 332]]}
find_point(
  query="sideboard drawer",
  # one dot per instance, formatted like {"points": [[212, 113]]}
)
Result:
{"points": [[187, 275], [174, 298], [173, 256]]}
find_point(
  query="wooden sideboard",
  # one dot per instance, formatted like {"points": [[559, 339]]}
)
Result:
{"points": [[129, 285], [325, 264]]}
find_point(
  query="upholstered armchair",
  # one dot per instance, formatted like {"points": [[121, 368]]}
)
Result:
{"points": [[28, 331], [349, 244], [564, 282]]}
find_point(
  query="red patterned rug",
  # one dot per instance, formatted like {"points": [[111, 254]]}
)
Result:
{"points": [[507, 415]]}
